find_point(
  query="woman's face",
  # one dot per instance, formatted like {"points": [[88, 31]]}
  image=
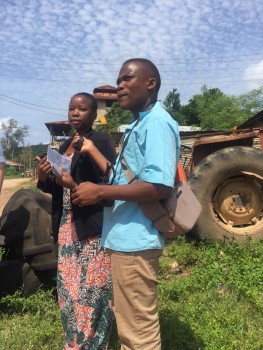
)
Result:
{"points": [[80, 113]]}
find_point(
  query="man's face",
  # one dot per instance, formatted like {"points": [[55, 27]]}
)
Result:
{"points": [[133, 87]]}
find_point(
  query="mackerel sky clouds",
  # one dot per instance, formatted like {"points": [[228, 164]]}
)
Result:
{"points": [[51, 49]]}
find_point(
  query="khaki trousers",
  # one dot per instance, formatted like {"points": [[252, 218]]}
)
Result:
{"points": [[134, 278]]}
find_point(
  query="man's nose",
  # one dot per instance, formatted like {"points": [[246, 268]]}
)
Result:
{"points": [[119, 87], [76, 112]]}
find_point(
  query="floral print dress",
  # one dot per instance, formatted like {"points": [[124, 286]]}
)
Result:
{"points": [[84, 286]]}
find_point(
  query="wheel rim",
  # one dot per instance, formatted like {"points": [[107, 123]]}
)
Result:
{"points": [[238, 204]]}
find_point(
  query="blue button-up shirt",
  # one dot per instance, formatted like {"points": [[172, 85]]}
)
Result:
{"points": [[152, 154]]}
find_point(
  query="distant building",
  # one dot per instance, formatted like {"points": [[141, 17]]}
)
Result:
{"points": [[105, 95], [18, 166], [58, 132]]}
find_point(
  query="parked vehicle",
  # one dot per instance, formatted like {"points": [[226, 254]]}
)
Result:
{"points": [[225, 170]]}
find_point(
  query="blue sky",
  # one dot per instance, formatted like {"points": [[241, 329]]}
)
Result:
{"points": [[53, 49]]}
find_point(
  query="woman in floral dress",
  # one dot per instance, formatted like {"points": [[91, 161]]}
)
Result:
{"points": [[84, 274]]}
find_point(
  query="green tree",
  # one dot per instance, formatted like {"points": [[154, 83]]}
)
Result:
{"points": [[251, 102], [25, 157], [13, 136], [117, 116], [214, 110], [190, 111], [172, 104]]}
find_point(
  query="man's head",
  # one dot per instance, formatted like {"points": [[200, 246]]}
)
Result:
{"points": [[138, 84]]}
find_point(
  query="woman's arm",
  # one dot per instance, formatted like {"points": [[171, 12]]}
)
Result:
{"points": [[95, 154]]}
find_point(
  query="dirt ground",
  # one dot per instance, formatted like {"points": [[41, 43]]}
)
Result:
{"points": [[10, 186]]}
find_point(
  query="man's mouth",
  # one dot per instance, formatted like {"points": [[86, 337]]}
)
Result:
{"points": [[74, 122], [121, 96]]}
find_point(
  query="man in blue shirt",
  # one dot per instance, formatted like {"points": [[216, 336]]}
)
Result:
{"points": [[151, 151]]}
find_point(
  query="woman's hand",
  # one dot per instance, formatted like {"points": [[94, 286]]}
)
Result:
{"points": [[43, 168], [87, 146], [65, 180]]}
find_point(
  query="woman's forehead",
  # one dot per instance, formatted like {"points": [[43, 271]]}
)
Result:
{"points": [[80, 99]]}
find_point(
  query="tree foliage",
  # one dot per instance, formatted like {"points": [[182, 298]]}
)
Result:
{"points": [[13, 136], [213, 110], [216, 110], [173, 106], [251, 102], [116, 117]]}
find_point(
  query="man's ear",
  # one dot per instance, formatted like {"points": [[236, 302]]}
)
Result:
{"points": [[151, 84]]}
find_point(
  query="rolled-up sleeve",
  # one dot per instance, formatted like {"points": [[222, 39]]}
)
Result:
{"points": [[161, 153]]}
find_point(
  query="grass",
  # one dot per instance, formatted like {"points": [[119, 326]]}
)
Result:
{"points": [[210, 297]]}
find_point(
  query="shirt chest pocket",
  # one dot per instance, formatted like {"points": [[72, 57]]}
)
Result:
{"points": [[134, 154]]}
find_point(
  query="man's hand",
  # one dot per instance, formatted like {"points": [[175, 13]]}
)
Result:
{"points": [[86, 193], [65, 180], [44, 169]]}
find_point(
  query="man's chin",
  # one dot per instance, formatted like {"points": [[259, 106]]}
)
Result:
{"points": [[124, 105]]}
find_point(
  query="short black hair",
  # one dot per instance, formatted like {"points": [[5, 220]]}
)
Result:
{"points": [[94, 104], [152, 67]]}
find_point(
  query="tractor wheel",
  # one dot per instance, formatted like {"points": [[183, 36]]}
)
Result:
{"points": [[229, 186], [17, 274], [28, 243], [26, 226]]}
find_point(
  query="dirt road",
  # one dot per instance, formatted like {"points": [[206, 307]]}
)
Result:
{"points": [[10, 186]]}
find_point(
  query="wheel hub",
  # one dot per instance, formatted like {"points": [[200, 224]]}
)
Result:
{"points": [[238, 201]]}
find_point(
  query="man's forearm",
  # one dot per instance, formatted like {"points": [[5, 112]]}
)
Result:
{"points": [[88, 193], [139, 191]]}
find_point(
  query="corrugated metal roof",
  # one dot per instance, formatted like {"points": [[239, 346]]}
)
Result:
{"points": [[59, 128], [253, 122]]}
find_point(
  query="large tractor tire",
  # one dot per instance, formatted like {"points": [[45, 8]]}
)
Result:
{"points": [[17, 274], [229, 186], [28, 242]]}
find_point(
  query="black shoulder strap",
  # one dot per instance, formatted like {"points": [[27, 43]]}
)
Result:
{"points": [[123, 144]]}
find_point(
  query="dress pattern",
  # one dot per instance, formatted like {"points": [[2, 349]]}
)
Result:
{"points": [[84, 287]]}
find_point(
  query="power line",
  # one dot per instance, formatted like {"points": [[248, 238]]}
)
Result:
{"points": [[35, 109], [116, 71], [49, 80], [101, 83], [223, 76], [74, 69], [32, 104], [213, 82], [155, 58], [97, 61]]}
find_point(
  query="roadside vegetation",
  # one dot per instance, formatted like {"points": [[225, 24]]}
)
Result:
{"points": [[210, 297]]}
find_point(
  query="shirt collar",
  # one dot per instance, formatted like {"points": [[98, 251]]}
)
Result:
{"points": [[144, 113]]}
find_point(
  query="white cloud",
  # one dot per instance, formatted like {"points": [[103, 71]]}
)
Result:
{"points": [[53, 49], [255, 70]]}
